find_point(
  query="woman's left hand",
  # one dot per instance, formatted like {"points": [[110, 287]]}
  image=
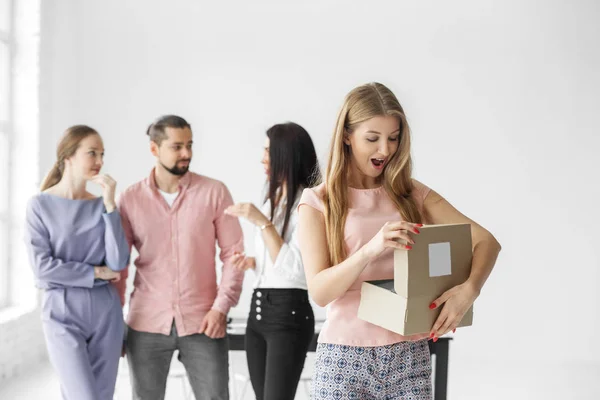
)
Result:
{"points": [[456, 303], [248, 211], [243, 263]]}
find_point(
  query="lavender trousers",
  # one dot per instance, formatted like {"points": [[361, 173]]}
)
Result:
{"points": [[84, 334]]}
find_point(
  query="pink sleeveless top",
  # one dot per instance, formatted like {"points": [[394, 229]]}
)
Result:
{"points": [[368, 210]]}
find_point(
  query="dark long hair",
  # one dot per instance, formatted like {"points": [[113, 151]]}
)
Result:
{"points": [[293, 163]]}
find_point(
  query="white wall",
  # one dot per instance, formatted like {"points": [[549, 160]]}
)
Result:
{"points": [[21, 341], [500, 96], [22, 345]]}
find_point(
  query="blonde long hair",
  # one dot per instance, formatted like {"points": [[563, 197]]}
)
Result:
{"points": [[68, 145], [363, 103]]}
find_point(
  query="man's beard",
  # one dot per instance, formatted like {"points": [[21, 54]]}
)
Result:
{"points": [[175, 170]]}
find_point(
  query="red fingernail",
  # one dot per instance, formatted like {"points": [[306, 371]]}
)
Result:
{"points": [[432, 306], [431, 336], [409, 247], [435, 339], [454, 330], [419, 225], [417, 231]]}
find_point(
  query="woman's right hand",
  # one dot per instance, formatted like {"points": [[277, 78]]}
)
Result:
{"points": [[108, 185], [388, 237], [106, 274]]}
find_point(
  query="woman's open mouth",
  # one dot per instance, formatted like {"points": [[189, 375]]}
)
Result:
{"points": [[378, 163]]}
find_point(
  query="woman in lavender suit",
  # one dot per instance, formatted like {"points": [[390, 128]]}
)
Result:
{"points": [[77, 246]]}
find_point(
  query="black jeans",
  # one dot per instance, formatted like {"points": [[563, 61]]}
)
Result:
{"points": [[280, 328]]}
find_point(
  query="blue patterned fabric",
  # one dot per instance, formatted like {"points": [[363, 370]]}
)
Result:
{"points": [[401, 371]]}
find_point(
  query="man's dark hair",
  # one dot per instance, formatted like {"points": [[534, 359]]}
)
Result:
{"points": [[156, 130]]}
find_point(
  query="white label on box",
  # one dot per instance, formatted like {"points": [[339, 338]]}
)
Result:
{"points": [[439, 259]]}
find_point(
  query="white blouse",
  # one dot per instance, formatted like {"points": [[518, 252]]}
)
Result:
{"points": [[287, 272]]}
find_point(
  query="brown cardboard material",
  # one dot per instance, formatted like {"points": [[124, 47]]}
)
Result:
{"points": [[439, 260]]}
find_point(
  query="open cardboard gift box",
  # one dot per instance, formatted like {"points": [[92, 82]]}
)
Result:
{"points": [[439, 260]]}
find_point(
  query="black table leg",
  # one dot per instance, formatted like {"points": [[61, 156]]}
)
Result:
{"points": [[441, 369]]}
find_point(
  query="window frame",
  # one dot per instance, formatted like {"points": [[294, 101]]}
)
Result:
{"points": [[7, 40]]}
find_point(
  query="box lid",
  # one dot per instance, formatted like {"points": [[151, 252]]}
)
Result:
{"points": [[439, 260]]}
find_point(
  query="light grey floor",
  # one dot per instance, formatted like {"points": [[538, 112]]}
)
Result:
{"points": [[467, 381]]}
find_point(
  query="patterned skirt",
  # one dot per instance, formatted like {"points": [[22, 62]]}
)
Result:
{"points": [[400, 371]]}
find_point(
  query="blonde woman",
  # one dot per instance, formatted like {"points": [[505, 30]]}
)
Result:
{"points": [[77, 245], [347, 235]]}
